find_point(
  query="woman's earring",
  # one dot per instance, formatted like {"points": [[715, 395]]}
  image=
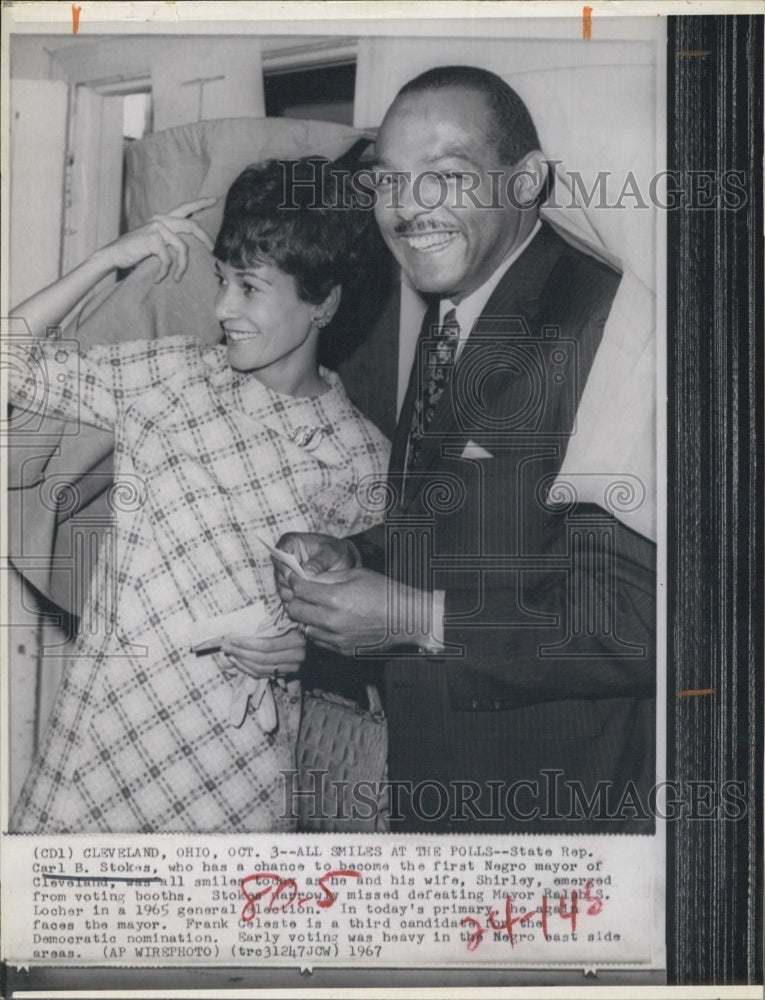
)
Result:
{"points": [[320, 321]]}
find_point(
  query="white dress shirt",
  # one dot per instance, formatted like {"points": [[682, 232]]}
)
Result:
{"points": [[470, 308]]}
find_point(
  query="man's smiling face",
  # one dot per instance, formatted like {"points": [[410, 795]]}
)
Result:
{"points": [[448, 241]]}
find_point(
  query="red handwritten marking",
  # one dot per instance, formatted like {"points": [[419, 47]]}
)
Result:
{"points": [[280, 887], [338, 873], [478, 930], [476, 937], [570, 914], [510, 920], [596, 904], [76, 11], [587, 23]]}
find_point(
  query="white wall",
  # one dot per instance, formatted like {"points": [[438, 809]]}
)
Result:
{"points": [[37, 148]]}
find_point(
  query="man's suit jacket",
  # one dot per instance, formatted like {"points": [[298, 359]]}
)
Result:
{"points": [[549, 665]]}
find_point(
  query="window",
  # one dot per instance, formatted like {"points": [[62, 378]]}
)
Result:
{"points": [[324, 93], [136, 115]]}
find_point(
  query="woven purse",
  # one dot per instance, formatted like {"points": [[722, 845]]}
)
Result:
{"points": [[341, 759]]}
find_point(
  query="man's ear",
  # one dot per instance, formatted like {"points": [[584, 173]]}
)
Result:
{"points": [[530, 175]]}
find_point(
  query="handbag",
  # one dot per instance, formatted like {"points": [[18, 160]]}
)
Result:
{"points": [[342, 755]]}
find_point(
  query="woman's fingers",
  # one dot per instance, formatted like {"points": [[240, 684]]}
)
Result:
{"points": [[164, 237], [169, 240], [262, 671], [165, 260], [291, 639], [181, 249], [178, 246], [260, 656], [190, 207], [178, 220], [181, 260], [249, 648], [291, 652], [170, 231], [190, 228]]}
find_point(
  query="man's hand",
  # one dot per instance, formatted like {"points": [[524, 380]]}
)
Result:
{"points": [[348, 607], [317, 554], [260, 656], [343, 610], [352, 609]]}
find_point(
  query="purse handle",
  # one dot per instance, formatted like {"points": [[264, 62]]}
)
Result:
{"points": [[375, 702]]}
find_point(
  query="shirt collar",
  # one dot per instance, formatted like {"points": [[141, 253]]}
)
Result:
{"points": [[471, 307]]}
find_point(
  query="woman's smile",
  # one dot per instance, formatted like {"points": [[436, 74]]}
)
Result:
{"points": [[269, 329], [239, 335]]}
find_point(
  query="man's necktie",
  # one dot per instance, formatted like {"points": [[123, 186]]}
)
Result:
{"points": [[436, 372]]}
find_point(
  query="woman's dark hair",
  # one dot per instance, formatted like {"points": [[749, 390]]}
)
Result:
{"points": [[299, 215]]}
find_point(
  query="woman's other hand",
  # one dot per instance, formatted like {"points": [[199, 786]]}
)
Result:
{"points": [[259, 656], [163, 237]]}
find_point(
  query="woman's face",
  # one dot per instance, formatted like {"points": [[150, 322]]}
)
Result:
{"points": [[269, 328]]}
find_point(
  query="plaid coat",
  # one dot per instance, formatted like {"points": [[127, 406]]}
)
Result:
{"points": [[206, 459]]}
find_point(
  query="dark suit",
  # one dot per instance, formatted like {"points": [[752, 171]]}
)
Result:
{"points": [[549, 611]]}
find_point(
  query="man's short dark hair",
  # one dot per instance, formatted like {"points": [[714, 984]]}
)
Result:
{"points": [[296, 214], [513, 130]]}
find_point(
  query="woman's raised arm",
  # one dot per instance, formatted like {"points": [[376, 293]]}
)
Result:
{"points": [[161, 237]]}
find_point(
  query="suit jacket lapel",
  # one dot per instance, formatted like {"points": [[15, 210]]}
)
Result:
{"points": [[518, 293], [516, 298]]}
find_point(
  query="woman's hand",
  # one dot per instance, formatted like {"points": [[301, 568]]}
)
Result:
{"points": [[161, 237], [259, 656]]}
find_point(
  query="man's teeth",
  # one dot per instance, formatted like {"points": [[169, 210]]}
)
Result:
{"points": [[237, 335], [430, 241]]}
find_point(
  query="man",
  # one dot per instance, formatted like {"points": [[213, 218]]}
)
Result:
{"points": [[517, 637]]}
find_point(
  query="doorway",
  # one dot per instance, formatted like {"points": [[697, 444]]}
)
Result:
{"points": [[104, 119]]}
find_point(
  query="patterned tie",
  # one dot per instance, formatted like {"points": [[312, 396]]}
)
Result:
{"points": [[437, 370]]}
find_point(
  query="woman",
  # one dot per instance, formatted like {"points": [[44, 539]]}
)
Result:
{"points": [[221, 446]]}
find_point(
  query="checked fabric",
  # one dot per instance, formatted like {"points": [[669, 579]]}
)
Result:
{"points": [[206, 460], [436, 375]]}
